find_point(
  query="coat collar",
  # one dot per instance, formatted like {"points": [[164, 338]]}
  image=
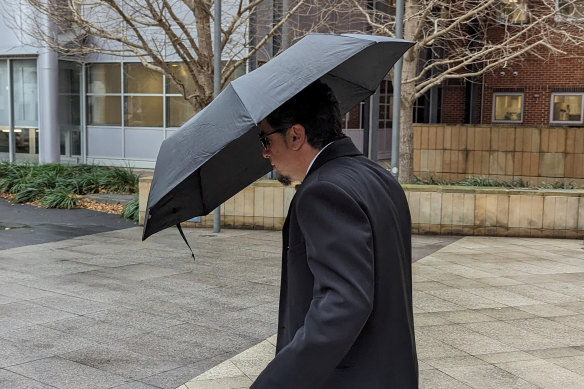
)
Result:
{"points": [[339, 148]]}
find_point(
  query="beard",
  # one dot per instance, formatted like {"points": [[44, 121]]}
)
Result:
{"points": [[284, 180]]}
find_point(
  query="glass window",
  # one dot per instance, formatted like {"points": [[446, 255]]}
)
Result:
{"points": [[26, 140], [513, 11], [69, 93], [69, 77], [508, 107], [70, 107], [567, 108], [24, 87], [178, 111], [139, 79], [4, 140], [103, 78], [143, 111], [181, 72], [104, 101], [571, 9], [104, 110], [69, 110], [4, 97], [385, 104], [238, 72], [4, 107]]}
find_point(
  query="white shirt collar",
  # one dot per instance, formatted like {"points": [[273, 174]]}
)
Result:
{"points": [[316, 156]]}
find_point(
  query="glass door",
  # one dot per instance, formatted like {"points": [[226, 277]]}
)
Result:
{"points": [[25, 109]]}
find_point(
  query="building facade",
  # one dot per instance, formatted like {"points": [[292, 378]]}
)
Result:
{"points": [[540, 89], [112, 110], [95, 109]]}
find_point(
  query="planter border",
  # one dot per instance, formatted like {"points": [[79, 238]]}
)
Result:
{"points": [[435, 209]]}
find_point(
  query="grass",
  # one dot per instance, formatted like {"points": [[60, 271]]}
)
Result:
{"points": [[131, 210], [59, 198], [61, 186], [491, 182]]}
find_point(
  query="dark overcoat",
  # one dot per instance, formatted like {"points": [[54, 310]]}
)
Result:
{"points": [[345, 318]]}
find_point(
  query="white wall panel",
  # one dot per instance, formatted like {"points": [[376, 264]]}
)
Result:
{"points": [[104, 142], [142, 143]]}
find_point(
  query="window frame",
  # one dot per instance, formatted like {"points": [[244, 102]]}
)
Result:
{"points": [[566, 122], [91, 95], [505, 17], [386, 105], [168, 95], [123, 95], [128, 97], [494, 110], [560, 16]]}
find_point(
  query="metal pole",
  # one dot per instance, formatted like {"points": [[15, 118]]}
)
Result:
{"points": [[11, 140], [286, 26], [217, 87], [374, 125], [276, 18], [399, 33], [433, 104], [83, 108], [366, 115]]}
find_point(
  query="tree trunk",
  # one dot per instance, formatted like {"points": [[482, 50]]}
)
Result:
{"points": [[408, 96], [406, 138]]}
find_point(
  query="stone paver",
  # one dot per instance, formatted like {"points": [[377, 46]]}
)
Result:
{"points": [[84, 308], [490, 313]]}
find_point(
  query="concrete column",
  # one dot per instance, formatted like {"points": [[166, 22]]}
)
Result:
{"points": [[48, 83], [48, 95]]}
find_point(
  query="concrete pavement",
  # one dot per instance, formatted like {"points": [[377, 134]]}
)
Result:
{"points": [[103, 310], [24, 225], [489, 312]]}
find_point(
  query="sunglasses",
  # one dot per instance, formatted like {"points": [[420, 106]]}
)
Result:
{"points": [[264, 137]]}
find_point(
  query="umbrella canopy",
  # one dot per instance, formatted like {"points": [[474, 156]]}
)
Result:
{"points": [[217, 153]]}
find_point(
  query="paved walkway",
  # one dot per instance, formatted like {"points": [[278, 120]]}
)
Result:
{"points": [[490, 313], [104, 310], [23, 225]]}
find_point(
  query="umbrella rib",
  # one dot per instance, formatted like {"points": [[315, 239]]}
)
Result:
{"points": [[243, 104], [204, 207], [349, 82]]}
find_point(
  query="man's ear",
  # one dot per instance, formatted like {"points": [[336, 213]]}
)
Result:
{"points": [[297, 136]]}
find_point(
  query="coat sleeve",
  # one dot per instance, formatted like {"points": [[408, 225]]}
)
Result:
{"points": [[339, 250]]}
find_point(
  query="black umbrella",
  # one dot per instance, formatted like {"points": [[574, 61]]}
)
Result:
{"points": [[217, 153]]}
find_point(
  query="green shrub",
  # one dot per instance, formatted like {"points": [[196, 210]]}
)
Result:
{"points": [[559, 185], [131, 210], [12, 175], [474, 181], [119, 180], [59, 198], [29, 193], [491, 182], [60, 186]]}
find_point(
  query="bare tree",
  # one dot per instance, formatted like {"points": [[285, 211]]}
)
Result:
{"points": [[156, 32], [464, 39]]}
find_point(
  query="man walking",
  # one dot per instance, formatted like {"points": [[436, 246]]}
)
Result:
{"points": [[345, 318]]}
